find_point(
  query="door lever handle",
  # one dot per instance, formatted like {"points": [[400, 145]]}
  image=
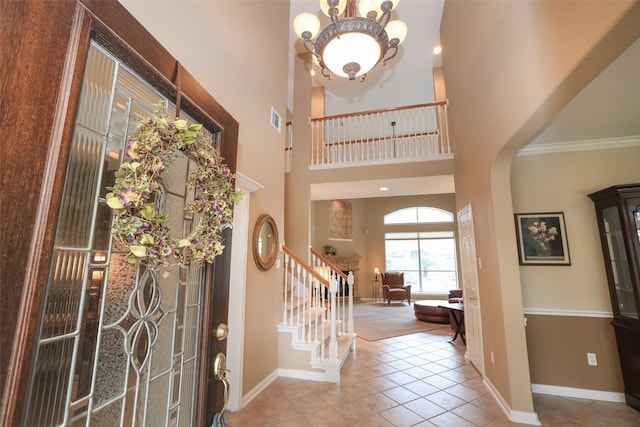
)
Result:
{"points": [[219, 373]]}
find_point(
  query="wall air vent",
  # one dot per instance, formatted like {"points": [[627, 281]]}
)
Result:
{"points": [[276, 121]]}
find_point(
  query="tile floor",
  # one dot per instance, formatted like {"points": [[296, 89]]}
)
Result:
{"points": [[412, 380]]}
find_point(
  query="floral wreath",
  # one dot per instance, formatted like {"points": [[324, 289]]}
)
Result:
{"points": [[139, 226]]}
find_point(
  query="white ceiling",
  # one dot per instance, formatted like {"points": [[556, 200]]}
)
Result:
{"points": [[441, 184], [606, 113], [607, 109]]}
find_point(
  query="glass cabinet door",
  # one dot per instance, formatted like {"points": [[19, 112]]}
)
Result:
{"points": [[636, 221], [620, 270]]}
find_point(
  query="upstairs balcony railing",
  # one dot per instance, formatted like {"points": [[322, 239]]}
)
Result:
{"points": [[416, 132]]}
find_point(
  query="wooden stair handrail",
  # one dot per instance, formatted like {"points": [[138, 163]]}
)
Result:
{"points": [[329, 263], [306, 266], [383, 110]]}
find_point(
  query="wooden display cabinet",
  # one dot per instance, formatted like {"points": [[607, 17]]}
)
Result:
{"points": [[618, 213]]}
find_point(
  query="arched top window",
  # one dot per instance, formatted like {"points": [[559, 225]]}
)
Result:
{"points": [[418, 214]]}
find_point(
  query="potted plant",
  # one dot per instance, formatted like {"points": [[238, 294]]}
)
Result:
{"points": [[329, 250]]}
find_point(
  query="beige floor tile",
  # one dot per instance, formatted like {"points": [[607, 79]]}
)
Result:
{"points": [[421, 388], [401, 394], [425, 408], [477, 415], [418, 372], [449, 419], [400, 377], [439, 381], [382, 383], [465, 393], [417, 380], [401, 416], [446, 400], [379, 402]]}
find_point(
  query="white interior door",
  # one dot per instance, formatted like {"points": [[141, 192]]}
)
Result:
{"points": [[471, 293]]}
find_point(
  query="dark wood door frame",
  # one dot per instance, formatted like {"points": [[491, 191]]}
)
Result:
{"points": [[43, 62]]}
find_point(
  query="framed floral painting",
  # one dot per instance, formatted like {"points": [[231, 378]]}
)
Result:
{"points": [[542, 239]]}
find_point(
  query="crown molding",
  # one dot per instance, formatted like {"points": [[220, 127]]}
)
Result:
{"points": [[583, 145]]}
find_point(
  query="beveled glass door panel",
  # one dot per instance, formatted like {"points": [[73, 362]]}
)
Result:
{"points": [[117, 343]]}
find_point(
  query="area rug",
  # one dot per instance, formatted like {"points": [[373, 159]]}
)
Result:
{"points": [[376, 321]]}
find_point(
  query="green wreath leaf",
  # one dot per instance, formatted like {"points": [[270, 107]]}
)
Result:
{"points": [[114, 203]]}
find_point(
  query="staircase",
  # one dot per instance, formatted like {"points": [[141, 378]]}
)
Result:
{"points": [[316, 333]]}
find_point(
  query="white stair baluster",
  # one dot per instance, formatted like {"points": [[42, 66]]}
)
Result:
{"points": [[286, 287], [351, 281], [333, 339]]}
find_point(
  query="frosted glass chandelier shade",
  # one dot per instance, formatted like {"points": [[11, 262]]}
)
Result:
{"points": [[365, 6], [352, 45], [397, 30], [306, 22], [351, 48]]}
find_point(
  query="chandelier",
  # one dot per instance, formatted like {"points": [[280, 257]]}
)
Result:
{"points": [[352, 45]]}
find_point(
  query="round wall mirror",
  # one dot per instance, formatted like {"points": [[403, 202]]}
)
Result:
{"points": [[265, 242]]}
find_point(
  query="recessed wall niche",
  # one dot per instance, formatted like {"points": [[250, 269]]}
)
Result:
{"points": [[340, 219]]}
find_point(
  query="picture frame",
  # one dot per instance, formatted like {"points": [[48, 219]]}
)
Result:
{"points": [[542, 239]]}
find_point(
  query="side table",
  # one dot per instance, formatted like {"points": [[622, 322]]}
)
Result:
{"points": [[457, 311], [375, 290]]}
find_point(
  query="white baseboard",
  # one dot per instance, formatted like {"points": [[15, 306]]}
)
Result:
{"points": [[258, 388], [302, 375], [582, 393], [522, 417]]}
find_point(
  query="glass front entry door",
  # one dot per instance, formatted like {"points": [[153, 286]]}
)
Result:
{"points": [[117, 343]]}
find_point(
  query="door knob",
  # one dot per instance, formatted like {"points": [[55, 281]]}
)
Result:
{"points": [[222, 331]]}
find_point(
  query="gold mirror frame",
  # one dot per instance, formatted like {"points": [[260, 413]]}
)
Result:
{"points": [[265, 242]]}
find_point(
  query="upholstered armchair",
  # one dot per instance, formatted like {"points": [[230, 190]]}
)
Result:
{"points": [[393, 287]]}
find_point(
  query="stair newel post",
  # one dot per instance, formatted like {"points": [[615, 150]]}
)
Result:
{"points": [[340, 304], [333, 343], [350, 280]]}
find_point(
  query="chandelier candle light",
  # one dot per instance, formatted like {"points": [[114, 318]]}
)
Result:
{"points": [[351, 46]]}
